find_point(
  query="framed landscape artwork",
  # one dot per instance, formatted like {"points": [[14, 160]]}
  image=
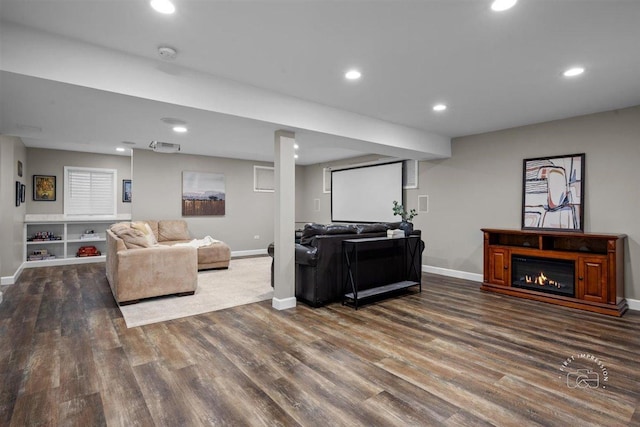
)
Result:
{"points": [[203, 194], [553, 193], [44, 188]]}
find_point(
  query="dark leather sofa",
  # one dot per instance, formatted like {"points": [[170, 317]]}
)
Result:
{"points": [[319, 259]]}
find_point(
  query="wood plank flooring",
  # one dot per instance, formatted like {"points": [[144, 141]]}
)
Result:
{"points": [[449, 356]]}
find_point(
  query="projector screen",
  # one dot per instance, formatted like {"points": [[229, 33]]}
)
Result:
{"points": [[366, 193]]}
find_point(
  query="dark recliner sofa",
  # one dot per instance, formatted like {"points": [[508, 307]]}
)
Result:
{"points": [[319, 259]]}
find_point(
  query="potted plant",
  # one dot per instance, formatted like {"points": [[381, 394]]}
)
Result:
{"points": [[405, 224]]}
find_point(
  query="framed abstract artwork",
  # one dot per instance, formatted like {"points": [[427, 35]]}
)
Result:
{"points": [[553, 193], [44, 188]]}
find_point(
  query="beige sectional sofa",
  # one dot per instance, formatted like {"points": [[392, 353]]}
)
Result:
{"points": [[144, 261]]}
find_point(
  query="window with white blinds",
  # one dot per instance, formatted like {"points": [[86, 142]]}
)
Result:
{"points": [[263, 179], [90, 191]]}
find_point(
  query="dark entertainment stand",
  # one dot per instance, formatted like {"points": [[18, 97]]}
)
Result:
{"points": [[597, 260], [379, 266]]}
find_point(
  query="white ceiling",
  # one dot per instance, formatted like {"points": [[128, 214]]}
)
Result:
{"points": [[494, 70]]}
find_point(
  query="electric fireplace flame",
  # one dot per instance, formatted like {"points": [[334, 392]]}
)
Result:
{"points": [[541, 280], [543, 274]]}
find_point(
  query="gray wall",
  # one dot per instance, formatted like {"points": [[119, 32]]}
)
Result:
{"points": [[12, 150], [157, 194], [42, 161], [481, 186]]}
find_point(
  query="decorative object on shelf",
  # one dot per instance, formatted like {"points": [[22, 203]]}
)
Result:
{"points": [[405, 224], [17, 193], [398, 209], [23, 190], [126, 191], [40, 255], [19, 168], [43, 236], [88, 234], [553, 193], [203, 194], [85, 251], [44, 188], [395, 234]]}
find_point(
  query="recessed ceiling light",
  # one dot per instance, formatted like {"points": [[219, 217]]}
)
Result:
{"points": [[501, 5], [296, 146], [439, 107], [179, 129], [352, 75], [295, 156], [572, 72], [120, 149], [163, 6]]}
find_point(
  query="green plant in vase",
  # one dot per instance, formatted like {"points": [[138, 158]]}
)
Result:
{"points": [[405, 224], [399, 209]]}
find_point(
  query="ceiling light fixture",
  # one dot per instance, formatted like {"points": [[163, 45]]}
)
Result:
{"points": [[296, 146], [164, 147], [439, 107], [295, 156], [352, 75], [502, 5], [179, 129], [167, 53], [163, 6], [574, 71], [120, 149]]}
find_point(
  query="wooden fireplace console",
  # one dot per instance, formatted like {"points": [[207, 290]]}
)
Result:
{"points": [[598, 264]]}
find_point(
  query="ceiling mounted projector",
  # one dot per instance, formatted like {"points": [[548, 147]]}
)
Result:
{"points": [[164, 147]]}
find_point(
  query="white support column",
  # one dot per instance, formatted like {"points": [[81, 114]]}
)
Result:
{"points": [[284, 227]]}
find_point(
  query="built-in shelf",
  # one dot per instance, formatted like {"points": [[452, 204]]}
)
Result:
{"points": [[69, 230]]}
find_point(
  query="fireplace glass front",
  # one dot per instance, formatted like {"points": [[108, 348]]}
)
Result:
{"points": [[543, 274]]}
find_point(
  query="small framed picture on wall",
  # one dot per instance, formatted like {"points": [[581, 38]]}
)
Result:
{"points": [[18, 193], [126, 190], [44, 188]]}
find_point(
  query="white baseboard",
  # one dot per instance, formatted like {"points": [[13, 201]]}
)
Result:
{"points": [[249, 252], [452, 273], [634, 304], [10, 280], [284, 303]]}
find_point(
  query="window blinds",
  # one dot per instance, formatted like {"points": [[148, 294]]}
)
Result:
{"points": [[90, 191]]}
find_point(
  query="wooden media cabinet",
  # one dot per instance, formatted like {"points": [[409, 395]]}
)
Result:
{"points": [[597, 261]]}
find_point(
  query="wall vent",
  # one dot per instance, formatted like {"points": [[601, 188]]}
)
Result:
{"points": [[423, 204]]}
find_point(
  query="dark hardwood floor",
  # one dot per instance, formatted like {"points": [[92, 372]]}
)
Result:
{"points": [[451, 355]]}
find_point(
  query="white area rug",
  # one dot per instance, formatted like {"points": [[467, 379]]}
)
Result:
{"points": [[246, 280]]}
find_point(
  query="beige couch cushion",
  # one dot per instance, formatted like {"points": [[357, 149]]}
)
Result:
{"points": [[132, 238], [173, 230], [145, 229], [154, 226]]}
